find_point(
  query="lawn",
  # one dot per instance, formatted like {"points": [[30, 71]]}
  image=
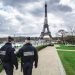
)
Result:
{"points": [[68, 60], [1, 67], [65, 47]]}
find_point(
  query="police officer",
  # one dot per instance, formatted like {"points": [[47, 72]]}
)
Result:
{"points": [[8, 57], [28, 55]]}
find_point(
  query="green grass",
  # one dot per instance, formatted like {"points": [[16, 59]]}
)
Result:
{"points": [[68, 60], [64, 47], [1, 68]]}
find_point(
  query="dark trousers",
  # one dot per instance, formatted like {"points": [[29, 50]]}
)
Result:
{"points": [[27, 69], [8, 68]]}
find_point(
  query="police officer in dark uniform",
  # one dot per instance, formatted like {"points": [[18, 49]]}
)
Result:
{"points": [[8, 57], [29, 55]]}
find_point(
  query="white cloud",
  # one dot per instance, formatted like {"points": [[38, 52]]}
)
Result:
{"points": [[53, 19], [33, 6], [71, 3], [19, 18], [65, 2]]}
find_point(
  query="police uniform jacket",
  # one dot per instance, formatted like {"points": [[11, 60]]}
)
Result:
{"points": [[7, 52], [28, 54]]}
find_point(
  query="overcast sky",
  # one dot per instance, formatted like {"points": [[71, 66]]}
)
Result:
{"points": [[27, 16]]}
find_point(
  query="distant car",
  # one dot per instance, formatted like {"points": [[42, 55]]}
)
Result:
{"points": [[51, 44]]}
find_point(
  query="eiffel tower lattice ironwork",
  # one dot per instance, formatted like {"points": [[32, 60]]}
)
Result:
{"points": [[46, 26]]}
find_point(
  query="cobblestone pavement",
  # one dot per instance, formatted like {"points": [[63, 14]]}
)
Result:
{"points": [[49, 63]]}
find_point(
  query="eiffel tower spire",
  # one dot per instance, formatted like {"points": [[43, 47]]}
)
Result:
{"points": [[46, 26], [46, 21]]}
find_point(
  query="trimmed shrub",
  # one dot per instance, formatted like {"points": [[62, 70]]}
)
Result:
{"points": [[1, 67]]}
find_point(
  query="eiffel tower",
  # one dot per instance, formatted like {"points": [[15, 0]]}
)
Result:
{"points": [[46, 26]]}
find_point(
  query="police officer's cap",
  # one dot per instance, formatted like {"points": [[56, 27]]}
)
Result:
{"points": [[27, 38]]}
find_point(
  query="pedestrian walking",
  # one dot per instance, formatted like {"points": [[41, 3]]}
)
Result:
{"points": [[8, 57], [29, 55]]}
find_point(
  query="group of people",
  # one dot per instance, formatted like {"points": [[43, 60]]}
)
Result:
{"points": [[28, 55]]}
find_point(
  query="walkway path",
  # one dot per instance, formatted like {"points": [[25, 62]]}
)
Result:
{"points": [[49, 63]]}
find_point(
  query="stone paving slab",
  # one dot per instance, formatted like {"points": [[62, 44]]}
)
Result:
{"points": [[49, 64]]}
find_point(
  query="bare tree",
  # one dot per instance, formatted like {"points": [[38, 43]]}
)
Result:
{"points": [[71, 29], [63, 33]]}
